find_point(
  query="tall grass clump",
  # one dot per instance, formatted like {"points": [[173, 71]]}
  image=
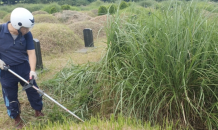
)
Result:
{"points": [[165, 66], [159, 66]]}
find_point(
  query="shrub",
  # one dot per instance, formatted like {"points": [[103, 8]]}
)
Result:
{"points": [[112, 9], [123, 5], [65, 7], [53, 10], [48, 7], [102, 10], [2, 14]]}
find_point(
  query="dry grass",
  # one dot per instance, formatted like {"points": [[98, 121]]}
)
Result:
{"points": [[80, 56], [1, 21], [97, 29], [100, 19], [68, 16], [2, 14], [55, 38], [45, 18], [7, 18], [92, 13], [39, 12]]}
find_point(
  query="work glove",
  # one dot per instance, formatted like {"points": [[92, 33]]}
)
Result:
{"points": [[33, 74], [2, 63]]}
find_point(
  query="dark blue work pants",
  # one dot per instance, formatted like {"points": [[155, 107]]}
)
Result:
{"points": [[9, 84]]}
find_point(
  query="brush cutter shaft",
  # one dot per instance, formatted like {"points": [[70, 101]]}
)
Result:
{"points": [[38, 90]]}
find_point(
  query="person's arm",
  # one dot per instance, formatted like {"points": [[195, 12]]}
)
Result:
{"points": [[31, 55], [32, 59]]}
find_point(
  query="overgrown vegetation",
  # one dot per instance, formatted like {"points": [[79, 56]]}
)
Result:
{"points": [[159, 65]]}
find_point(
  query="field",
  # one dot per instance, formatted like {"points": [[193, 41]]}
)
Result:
{"points": [[154, 66]]}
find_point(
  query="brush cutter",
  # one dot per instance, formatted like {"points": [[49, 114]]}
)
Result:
{"points": [[30, 84]]}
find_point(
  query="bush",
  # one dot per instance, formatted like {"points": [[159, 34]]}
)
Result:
{"points": [[65, 7], [53, 10], [48, 7], [102, 10], [112, 9], [123, 5], [2, 14]]}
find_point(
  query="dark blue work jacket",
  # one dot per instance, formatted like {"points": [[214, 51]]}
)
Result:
{"points": [[14, 52]]}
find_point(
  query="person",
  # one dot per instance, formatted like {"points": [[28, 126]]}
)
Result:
{"points": [[17, 51]]}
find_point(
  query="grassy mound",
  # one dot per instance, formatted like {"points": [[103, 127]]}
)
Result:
{"points": [[1, 21], [97, 29], [7, 17], [100, 19], [55, 38], [39, 12], [91, 13], [68, 16], [45, 18], [2, 14]]}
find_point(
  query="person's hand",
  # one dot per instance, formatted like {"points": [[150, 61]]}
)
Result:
{"points": [[2, 63], [33, 74]]}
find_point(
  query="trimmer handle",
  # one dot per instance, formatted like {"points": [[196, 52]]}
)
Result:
{"points": [[6, 67]]}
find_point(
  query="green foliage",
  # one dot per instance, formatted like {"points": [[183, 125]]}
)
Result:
{"points": [[123, 5], [146, 3], [102, 10], [75, 8], [2, 14], [82, 2], [157, 66], [112, 8], [48, 7], [65, 7], [53, 10]]}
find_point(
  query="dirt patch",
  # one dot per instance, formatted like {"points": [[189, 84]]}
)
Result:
{"points": [[45, 18], [55, 38], [68, 16], [39, 12], [97, 29]]}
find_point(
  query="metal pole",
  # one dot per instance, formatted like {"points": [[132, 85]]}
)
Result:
{"points": [[45, 95]]}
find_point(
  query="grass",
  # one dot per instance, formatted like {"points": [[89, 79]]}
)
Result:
{"points": [[118, 123], [157, 66], [55, 38], [160, 66]]}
